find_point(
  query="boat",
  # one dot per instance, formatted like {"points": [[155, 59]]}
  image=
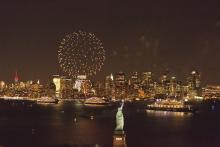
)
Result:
{"points": [[97, 102], [47, 100], [16, 98], [170, 105]]}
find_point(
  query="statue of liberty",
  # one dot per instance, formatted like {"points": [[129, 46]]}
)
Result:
{"points": [[119, 137], [120, 118]]}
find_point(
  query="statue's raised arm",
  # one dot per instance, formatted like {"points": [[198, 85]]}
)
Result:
{"points": [[122, 105], [120, 118]]}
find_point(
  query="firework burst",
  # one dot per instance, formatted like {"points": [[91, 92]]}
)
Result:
{"points": [[81, 53]]}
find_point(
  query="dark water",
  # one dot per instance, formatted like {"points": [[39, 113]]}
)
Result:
{"points": [[55, 125]]}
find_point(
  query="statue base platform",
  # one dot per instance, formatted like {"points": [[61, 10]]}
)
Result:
{"points": [[119, 139]]}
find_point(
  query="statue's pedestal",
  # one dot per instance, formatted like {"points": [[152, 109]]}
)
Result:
{"points": [[119, 139]]}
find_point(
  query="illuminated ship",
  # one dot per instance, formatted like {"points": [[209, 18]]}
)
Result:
{"points": [[47, 100], [170, 105], [16, 98], [97, 102], [12, 98]]}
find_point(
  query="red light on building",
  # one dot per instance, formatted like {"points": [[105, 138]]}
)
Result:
{"points": [[16, 77]]}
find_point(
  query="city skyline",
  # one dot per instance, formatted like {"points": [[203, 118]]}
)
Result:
{"points": [[156, 37], [134, 73], [119, 85]]}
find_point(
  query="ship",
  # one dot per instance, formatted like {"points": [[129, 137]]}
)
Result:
{"points": [[16, 98], [97, 102], [170, 105], [47, 100]]}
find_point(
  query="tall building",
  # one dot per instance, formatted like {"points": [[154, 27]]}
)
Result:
{"points": [[83, 85], [135, 80], [63, 86], [120, 85], [147, 79], [147, 84], [66, 88], [87, 88], [79, 82], [180, 89], [162, 87], [109, 85], [164, 79], [2, 85], [133, 85], [99, 89], [194, 84], [172, 87], [57, 82]]}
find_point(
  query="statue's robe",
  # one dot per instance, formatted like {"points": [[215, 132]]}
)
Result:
{"points": [[119, 119]]}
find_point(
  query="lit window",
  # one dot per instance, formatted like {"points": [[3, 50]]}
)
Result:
{"points": [[118, 139]]}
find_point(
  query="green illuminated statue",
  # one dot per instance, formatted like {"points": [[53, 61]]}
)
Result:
{"points": [[120, 118]]}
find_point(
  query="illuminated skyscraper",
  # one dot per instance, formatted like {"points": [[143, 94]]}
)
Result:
{"points": [[66, 87], [38, 82], [99, 88], [109, 85], [79, 82], [57, 82], [83, 85], [133, 85], [172, 87], [194, 84], [162, 88], [120, 89], [147, 84], [135, 80], [147, 81], [63, 85], [2, 85], [164, 79], [147, 78]]}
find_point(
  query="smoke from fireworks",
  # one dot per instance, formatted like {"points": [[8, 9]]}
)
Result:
{"points": [[81, 53]]}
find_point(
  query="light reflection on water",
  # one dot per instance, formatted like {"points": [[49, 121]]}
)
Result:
{"points": [[168, 114], [72, 123]]}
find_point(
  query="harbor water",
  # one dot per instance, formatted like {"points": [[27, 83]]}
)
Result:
{"points": [[70, 123]]}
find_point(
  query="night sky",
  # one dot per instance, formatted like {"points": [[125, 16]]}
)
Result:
{"points": [[175, 36]]}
